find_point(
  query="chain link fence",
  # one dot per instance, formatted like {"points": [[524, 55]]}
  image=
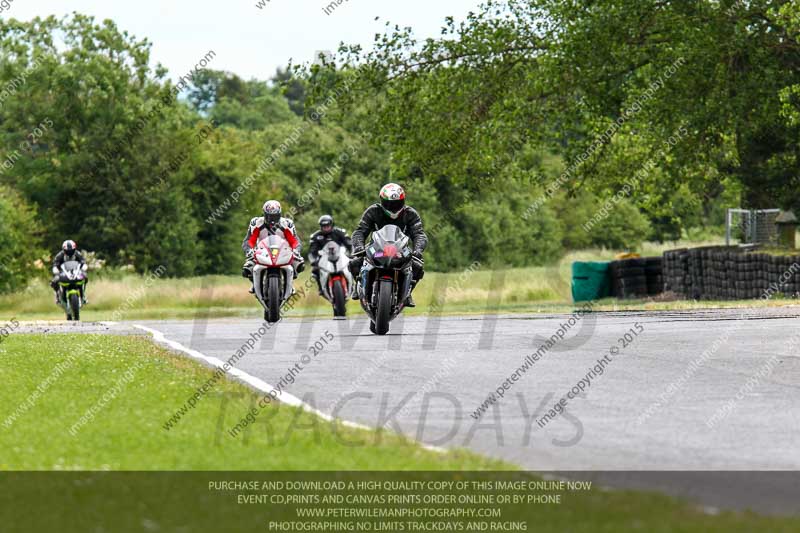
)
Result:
{"points": [[751, 226]]}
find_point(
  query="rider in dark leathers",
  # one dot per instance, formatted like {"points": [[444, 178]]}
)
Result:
{"points": [[392, 209], [69, 252], [327, 233]]}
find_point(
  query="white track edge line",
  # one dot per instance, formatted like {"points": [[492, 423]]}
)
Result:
{"points": [[261, 385]]}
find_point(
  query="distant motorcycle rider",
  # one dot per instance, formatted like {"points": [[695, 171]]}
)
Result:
{"points": [[327, 233], [392, 209], [69, 252], [270, 223]]}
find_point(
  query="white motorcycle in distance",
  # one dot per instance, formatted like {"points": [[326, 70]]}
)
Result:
{"points": [[335, 277], [273, 275]]}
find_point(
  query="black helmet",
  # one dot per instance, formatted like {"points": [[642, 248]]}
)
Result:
{"points": [[326, 221]]}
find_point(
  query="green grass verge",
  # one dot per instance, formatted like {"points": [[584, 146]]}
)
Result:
{"points": [[127, 434]]}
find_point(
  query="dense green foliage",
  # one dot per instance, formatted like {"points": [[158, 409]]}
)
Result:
{"points": [[18, 250], [496, 129], [707, 91]]}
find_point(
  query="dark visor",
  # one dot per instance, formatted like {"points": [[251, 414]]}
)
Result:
{"points": [[393, 206]]}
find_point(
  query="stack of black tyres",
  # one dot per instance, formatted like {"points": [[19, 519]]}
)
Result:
{"points": [[785, 272], [717, 269], [694, 279], [628, 278], [675, 271], [654, 272], [730, 273], [792, 266], [712, 273]]}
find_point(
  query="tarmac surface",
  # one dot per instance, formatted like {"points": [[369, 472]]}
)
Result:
{"points": [[700, 404]]}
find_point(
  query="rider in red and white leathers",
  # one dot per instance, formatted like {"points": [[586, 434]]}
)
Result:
{"points": [[271, 223]]}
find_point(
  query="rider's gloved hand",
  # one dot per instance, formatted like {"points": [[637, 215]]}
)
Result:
{"points": [[250, 254], [55, 270], [301, 263], [418, 260]]}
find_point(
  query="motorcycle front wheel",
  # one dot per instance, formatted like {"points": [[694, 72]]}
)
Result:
{"points": [[339, 299], [273, 299], [383, 313], [75, 306]]}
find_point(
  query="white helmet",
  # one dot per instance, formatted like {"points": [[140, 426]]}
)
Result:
{"points": [[69, 247], [393, 200], [272, 212]]}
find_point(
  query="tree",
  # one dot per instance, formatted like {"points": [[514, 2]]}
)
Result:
{"points": [[587, 80], [94, 127], [19, 239], [293, 90]]}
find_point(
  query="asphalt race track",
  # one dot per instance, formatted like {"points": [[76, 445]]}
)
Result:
{"points": [[711, 390]]}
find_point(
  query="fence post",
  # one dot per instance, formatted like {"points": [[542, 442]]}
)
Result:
{"points": [[729, 221]]}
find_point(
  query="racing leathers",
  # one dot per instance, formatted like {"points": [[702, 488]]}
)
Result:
{"points": [[318, 241], [61, 258], [259, 229], [409, 222]]}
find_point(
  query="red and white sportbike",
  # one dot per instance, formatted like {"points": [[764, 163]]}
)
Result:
{"points": [[335, 277], [273, 275]]}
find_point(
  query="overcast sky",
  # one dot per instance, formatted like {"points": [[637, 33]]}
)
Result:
{"points": [[249, 41]]}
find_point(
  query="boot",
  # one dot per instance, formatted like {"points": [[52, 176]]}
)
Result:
{"points": [[252, 290], [319, 286], [410, 301]]}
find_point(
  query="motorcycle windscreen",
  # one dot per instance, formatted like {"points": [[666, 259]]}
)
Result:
{"points": [[387, 234], [276, 243], [332, 251], [274, 240], [71, 265], [389, 246]]}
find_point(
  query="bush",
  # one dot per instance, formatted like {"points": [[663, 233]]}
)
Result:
{"points": [[498, 236], [590, 221], [18, 242]]}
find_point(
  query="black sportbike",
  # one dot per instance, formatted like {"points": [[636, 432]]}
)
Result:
{"points": [[385, 279]]}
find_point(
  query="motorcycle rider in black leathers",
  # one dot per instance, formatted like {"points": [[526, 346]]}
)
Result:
{"points": [[392, 209], [327, 233], [69, 252]]}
